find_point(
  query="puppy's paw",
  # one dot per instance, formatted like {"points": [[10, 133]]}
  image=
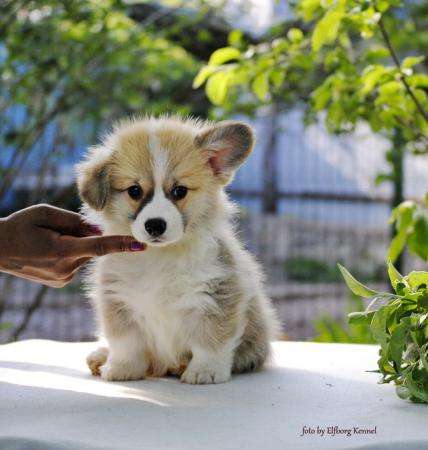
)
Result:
{"points": [[123, 371], [205, 374], [96, 359]]}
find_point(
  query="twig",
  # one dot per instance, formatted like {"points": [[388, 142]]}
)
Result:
{"points": [[29, 313], [402, 75], [29, 140]]}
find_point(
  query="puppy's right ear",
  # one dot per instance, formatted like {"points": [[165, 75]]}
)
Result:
{"points": [[93, 178]]}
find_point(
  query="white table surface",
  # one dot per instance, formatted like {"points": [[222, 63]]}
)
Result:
{"points": [[48, 400]]}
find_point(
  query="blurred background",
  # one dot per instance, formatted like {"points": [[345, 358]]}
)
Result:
{"points": [[341, 139]]}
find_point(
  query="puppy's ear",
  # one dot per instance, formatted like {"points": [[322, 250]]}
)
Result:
{"points": [[226, 146], [93, 178]]}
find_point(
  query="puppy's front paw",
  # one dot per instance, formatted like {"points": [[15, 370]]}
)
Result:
{"points": [[123, 371], [205, 374], [96, 359]]}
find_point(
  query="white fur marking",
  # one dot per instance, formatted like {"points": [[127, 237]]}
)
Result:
{"points": [[160, 159], [159, 206]]}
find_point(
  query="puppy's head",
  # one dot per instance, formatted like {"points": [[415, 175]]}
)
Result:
{"points": [[158, 179]]}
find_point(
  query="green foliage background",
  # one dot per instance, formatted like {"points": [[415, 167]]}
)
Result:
{"points": [[64, 65], [352, 61]]}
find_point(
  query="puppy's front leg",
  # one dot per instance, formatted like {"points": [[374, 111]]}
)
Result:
{"points": [[208, 366], [126, 356], [126, 360]]}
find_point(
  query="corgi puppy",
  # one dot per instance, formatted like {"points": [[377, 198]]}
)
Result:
{"points": [[192, 304]]}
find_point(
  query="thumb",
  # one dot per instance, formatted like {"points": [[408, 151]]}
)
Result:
{"points": [[103, 245]]}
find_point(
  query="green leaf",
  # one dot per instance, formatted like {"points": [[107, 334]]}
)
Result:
{"points": [[371, 76], [260, 86], [277, 77], [223, 55], [385, 366], [382, 5], [411, 61], [415, 389], [378, 326], [203, 75], [390, 88], [307, 8], [216, 87], [417, 278], [418, 240], [360, 318], [355, 286], [295, 35], [418, 80], [424, 355], [397, 343], [322, 95], [235, 38], [397, 245], [326, 29], [394, 275], [403, 213]]}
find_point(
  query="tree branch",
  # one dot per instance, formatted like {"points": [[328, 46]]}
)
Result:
{"points": [[394, 57], [29, 312]]}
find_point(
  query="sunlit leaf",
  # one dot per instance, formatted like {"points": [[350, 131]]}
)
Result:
{"points": [[326, 29], [223, 55], [295, 34], [260, 86], [397, 245], [394, 275], [235, 38], [370, 77], [203, 75], [417, 278], [411, 61], [216, 87], [355, 286]]}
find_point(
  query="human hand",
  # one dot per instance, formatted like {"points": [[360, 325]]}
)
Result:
{"points": [[48, 244]]}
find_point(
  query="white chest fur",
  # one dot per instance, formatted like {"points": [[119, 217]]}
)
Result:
{"points": [[165, 290]]}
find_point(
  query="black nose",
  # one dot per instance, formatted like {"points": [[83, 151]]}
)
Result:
{"points": [[155, 227]]}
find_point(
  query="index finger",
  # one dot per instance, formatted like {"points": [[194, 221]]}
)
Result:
{"points": [[100, 245], [65, 222]]}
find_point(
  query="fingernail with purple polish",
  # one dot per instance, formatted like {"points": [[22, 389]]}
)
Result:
{"points": [[95, 229], [137, 246]]}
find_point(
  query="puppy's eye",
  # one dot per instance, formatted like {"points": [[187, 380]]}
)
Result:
{"points": [[179, 192], [135, 192]]}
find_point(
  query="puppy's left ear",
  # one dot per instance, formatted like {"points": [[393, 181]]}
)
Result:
{"points": [[226, 146], [93, 178]]}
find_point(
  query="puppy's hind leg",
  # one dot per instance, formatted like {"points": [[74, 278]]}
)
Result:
{"points": [[261, 328]]}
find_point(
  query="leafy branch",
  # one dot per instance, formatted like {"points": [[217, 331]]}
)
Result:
{"points": [[399, 324], [396, 60], [411, 223]]}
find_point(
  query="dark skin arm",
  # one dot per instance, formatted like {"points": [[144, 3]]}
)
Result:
{"points": [[48, 245]]}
